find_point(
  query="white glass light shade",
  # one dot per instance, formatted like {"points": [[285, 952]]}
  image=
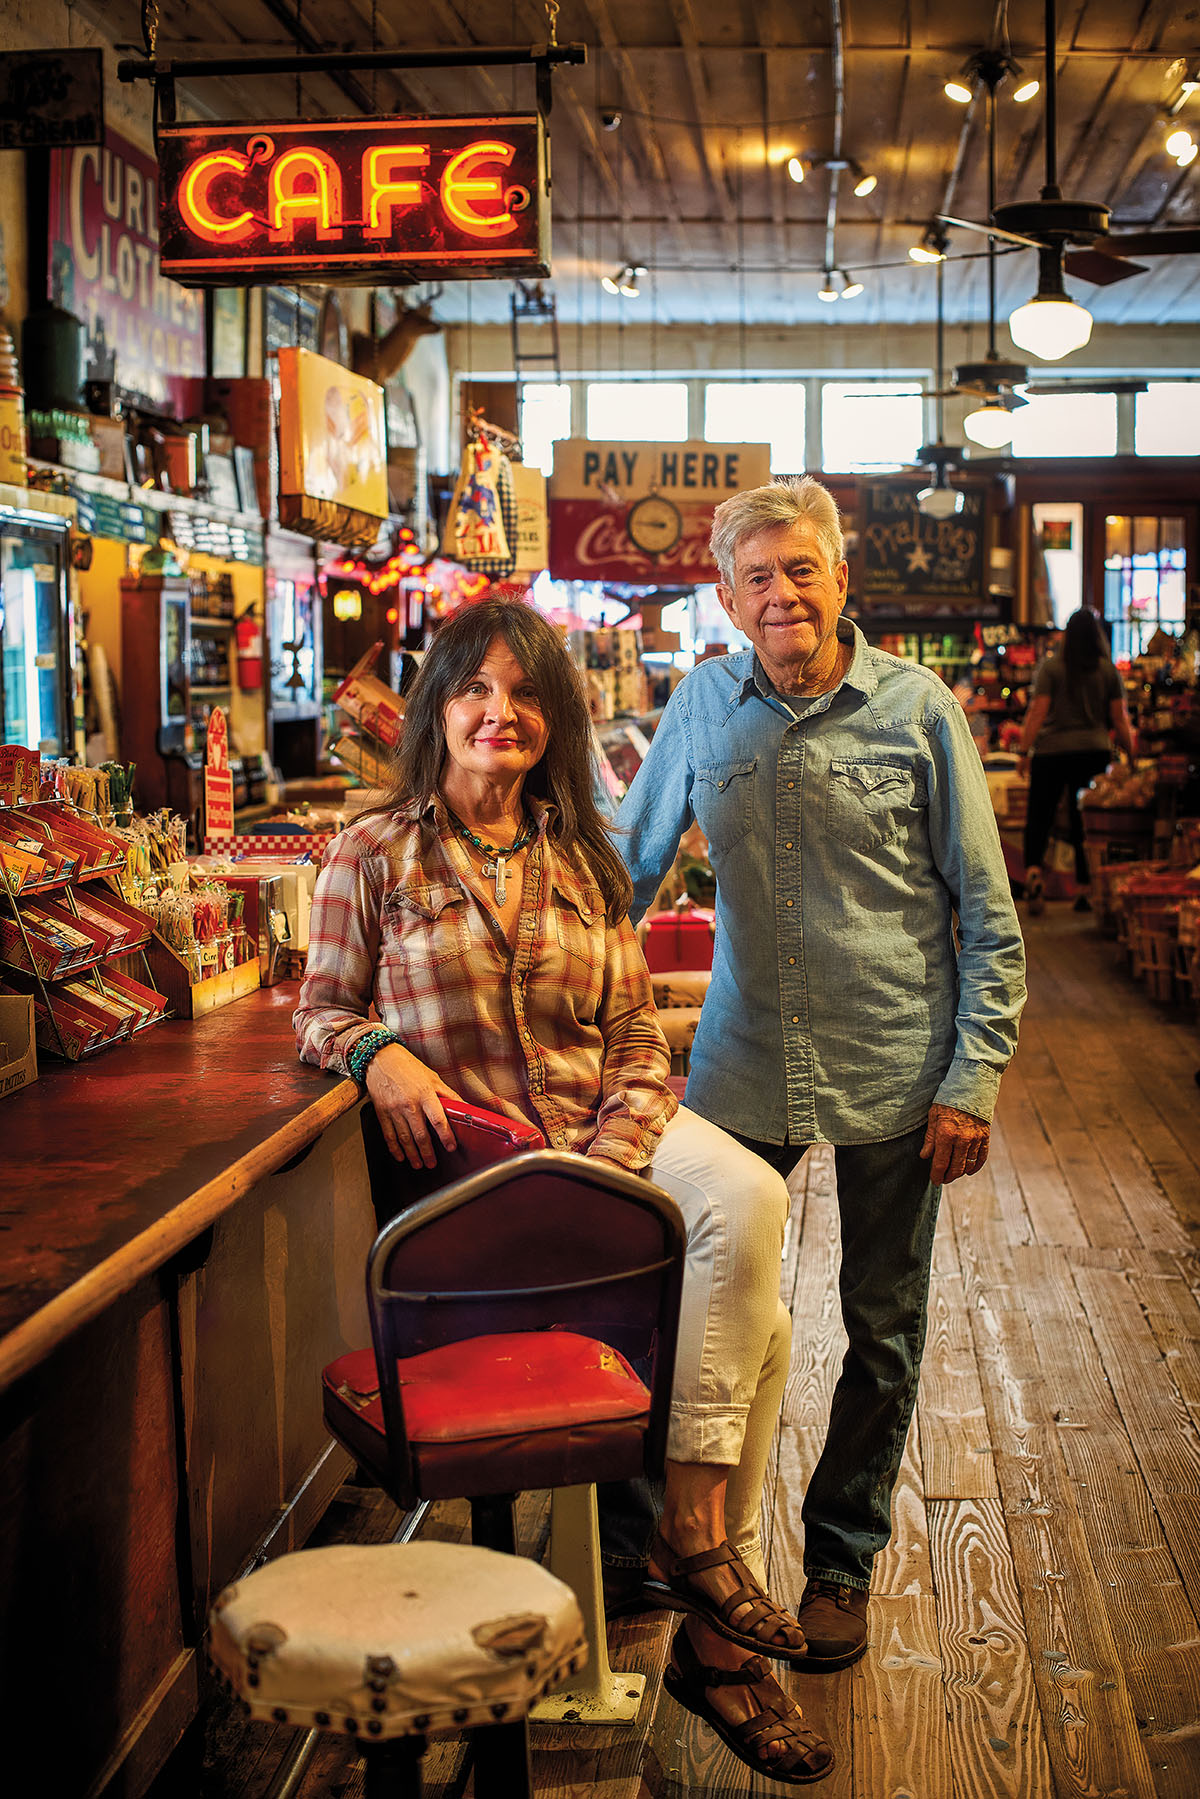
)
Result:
{"points": [[939, 502], [1178, 142], [850, 289], [1187, 156], [958, 90], [866, 184], [1050, 326], [990, 426], [795, 168], [828, 292], [610, 284], [1026, 91]]}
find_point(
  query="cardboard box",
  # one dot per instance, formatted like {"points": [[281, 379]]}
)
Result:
{"points": [[18, 1045]]}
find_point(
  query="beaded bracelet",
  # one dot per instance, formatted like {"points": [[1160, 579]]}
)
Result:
{"points": [[365, 1049]]}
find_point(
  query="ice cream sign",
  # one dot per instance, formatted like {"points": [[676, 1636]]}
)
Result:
{"points": [[353, 200]]}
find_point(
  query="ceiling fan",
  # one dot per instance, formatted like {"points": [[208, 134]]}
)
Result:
{"points": [[1049, 223]]}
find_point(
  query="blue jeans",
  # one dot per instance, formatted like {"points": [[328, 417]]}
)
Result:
{"points": [[888, 1214]]}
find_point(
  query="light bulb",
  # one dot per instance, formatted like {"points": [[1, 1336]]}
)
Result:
{"points": [[1026, 91], [795, 168], [939, 502], [922, 253], [1187, 156], [1050, 326], [990, 425], [610, 284], [866, 184], [629, 287], [1178, 142], [958, 90], [850, 289], [829, 292]]}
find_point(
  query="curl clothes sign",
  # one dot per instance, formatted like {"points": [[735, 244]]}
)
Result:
{"points": [[354, 199], [105, 268]]}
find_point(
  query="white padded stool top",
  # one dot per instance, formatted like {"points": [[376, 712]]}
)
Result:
{"points": [[395, 1639]]}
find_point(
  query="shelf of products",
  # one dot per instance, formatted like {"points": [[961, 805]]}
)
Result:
{"points": [[63, 930]]}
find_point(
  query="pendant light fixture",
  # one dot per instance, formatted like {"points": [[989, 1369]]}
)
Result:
{"points": [[939, 499], [990, 424], [1051, 325]]}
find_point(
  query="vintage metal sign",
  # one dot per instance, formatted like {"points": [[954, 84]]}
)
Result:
{"points": [[50, 98], [354, 200], [596, 487]]}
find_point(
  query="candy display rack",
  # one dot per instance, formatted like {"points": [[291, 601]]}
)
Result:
{"points": [[63, 930]]}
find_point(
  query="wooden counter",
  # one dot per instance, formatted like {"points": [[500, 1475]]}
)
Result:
{"points": [[112, 1165], [184, 1224]]}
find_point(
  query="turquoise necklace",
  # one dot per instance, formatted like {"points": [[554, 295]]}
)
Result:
{"points": [[495, 859]]}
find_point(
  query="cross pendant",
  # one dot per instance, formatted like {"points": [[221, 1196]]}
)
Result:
{"points": [[498, 870]]}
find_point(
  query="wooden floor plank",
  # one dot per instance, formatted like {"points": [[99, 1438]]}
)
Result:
{"points": [[1089, 1721], [901, 1740], [956, 1456], [998, 1745]]}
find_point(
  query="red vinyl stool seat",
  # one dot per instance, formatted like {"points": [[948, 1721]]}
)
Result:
{"points": [[496, 1413]]}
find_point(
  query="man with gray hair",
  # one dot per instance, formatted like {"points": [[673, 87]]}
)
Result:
{"points": [[868, 971]]}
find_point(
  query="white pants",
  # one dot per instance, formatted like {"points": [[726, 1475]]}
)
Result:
{"points": [[734, 1331]]}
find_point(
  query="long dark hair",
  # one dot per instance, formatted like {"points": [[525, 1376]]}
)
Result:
{"points": [[563, 777], [1084, 645]]}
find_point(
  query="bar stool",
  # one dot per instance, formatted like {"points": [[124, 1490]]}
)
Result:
{"points": [[390, 1643], [505, 1313]]}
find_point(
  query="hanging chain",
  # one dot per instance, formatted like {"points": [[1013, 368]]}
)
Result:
{"points": [[552, 10], [150, 27]]}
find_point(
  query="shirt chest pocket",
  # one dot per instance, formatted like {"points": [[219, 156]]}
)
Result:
{"points": [[723, 801], [871, 803], [580, 929], [425, 925]]}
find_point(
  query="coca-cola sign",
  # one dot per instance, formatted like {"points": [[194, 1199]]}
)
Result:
{"points": [[588, 542], [595, 484]]}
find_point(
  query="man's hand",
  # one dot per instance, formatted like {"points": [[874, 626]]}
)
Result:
{"points": [[957, 1142], [408, 1098]]}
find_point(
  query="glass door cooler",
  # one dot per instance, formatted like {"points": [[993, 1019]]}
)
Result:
{"points": [[37, 637]]}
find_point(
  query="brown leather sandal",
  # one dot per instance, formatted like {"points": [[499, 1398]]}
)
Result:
{"points": [[760, 1624], [801, 1755]]}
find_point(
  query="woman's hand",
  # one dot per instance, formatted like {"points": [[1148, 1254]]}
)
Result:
{"points": [[408, 1098]]}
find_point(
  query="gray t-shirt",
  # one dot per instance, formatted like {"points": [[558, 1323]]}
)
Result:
{"points": [[1080, 709]]}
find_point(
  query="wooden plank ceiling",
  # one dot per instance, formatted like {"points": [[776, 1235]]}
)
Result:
{"points": [[714, 96]]}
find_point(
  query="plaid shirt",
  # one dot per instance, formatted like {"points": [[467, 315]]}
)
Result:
{"points": [[561, 1031]]}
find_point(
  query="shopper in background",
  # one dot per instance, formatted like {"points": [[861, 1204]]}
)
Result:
{"points": [[848, 822], [482, 910], [1077, 708]]}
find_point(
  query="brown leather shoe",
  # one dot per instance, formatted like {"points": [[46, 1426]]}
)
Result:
{"points": [[833, 1618]]}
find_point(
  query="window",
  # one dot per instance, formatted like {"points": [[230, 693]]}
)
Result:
{"points": [[545, 416], [1167, 419], [755, 412], [1058, 534], [1066, 425], [872, 426], [637, 411], [1144, 580]]}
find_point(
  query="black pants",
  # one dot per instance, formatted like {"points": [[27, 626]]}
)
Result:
{"points": [[1049, 777]]}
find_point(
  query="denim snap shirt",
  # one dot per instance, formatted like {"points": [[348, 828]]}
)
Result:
{"points": [[868, 960]]}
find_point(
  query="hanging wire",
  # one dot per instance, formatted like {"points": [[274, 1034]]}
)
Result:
{"points": [[375, 46], [741, 254], [299, 49]]}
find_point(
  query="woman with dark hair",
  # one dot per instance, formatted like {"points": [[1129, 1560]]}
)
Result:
{"points": [[482, 911], [1077, 707]]}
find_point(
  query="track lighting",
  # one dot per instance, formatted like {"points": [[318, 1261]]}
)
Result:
{"points": [[866, 184], [1188, 156], [1050, 325], [850, 289], [828, 292], [932, 247], [1178, 142], [991, 67], [795, 168], [625, 281]]}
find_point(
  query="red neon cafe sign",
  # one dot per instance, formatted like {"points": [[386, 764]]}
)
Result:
{"points": [[349, 199]]}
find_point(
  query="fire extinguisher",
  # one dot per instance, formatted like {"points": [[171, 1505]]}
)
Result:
{"points": [[249, 651]]}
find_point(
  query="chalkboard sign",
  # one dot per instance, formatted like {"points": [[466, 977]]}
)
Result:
{"points": [[917, 559]]}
